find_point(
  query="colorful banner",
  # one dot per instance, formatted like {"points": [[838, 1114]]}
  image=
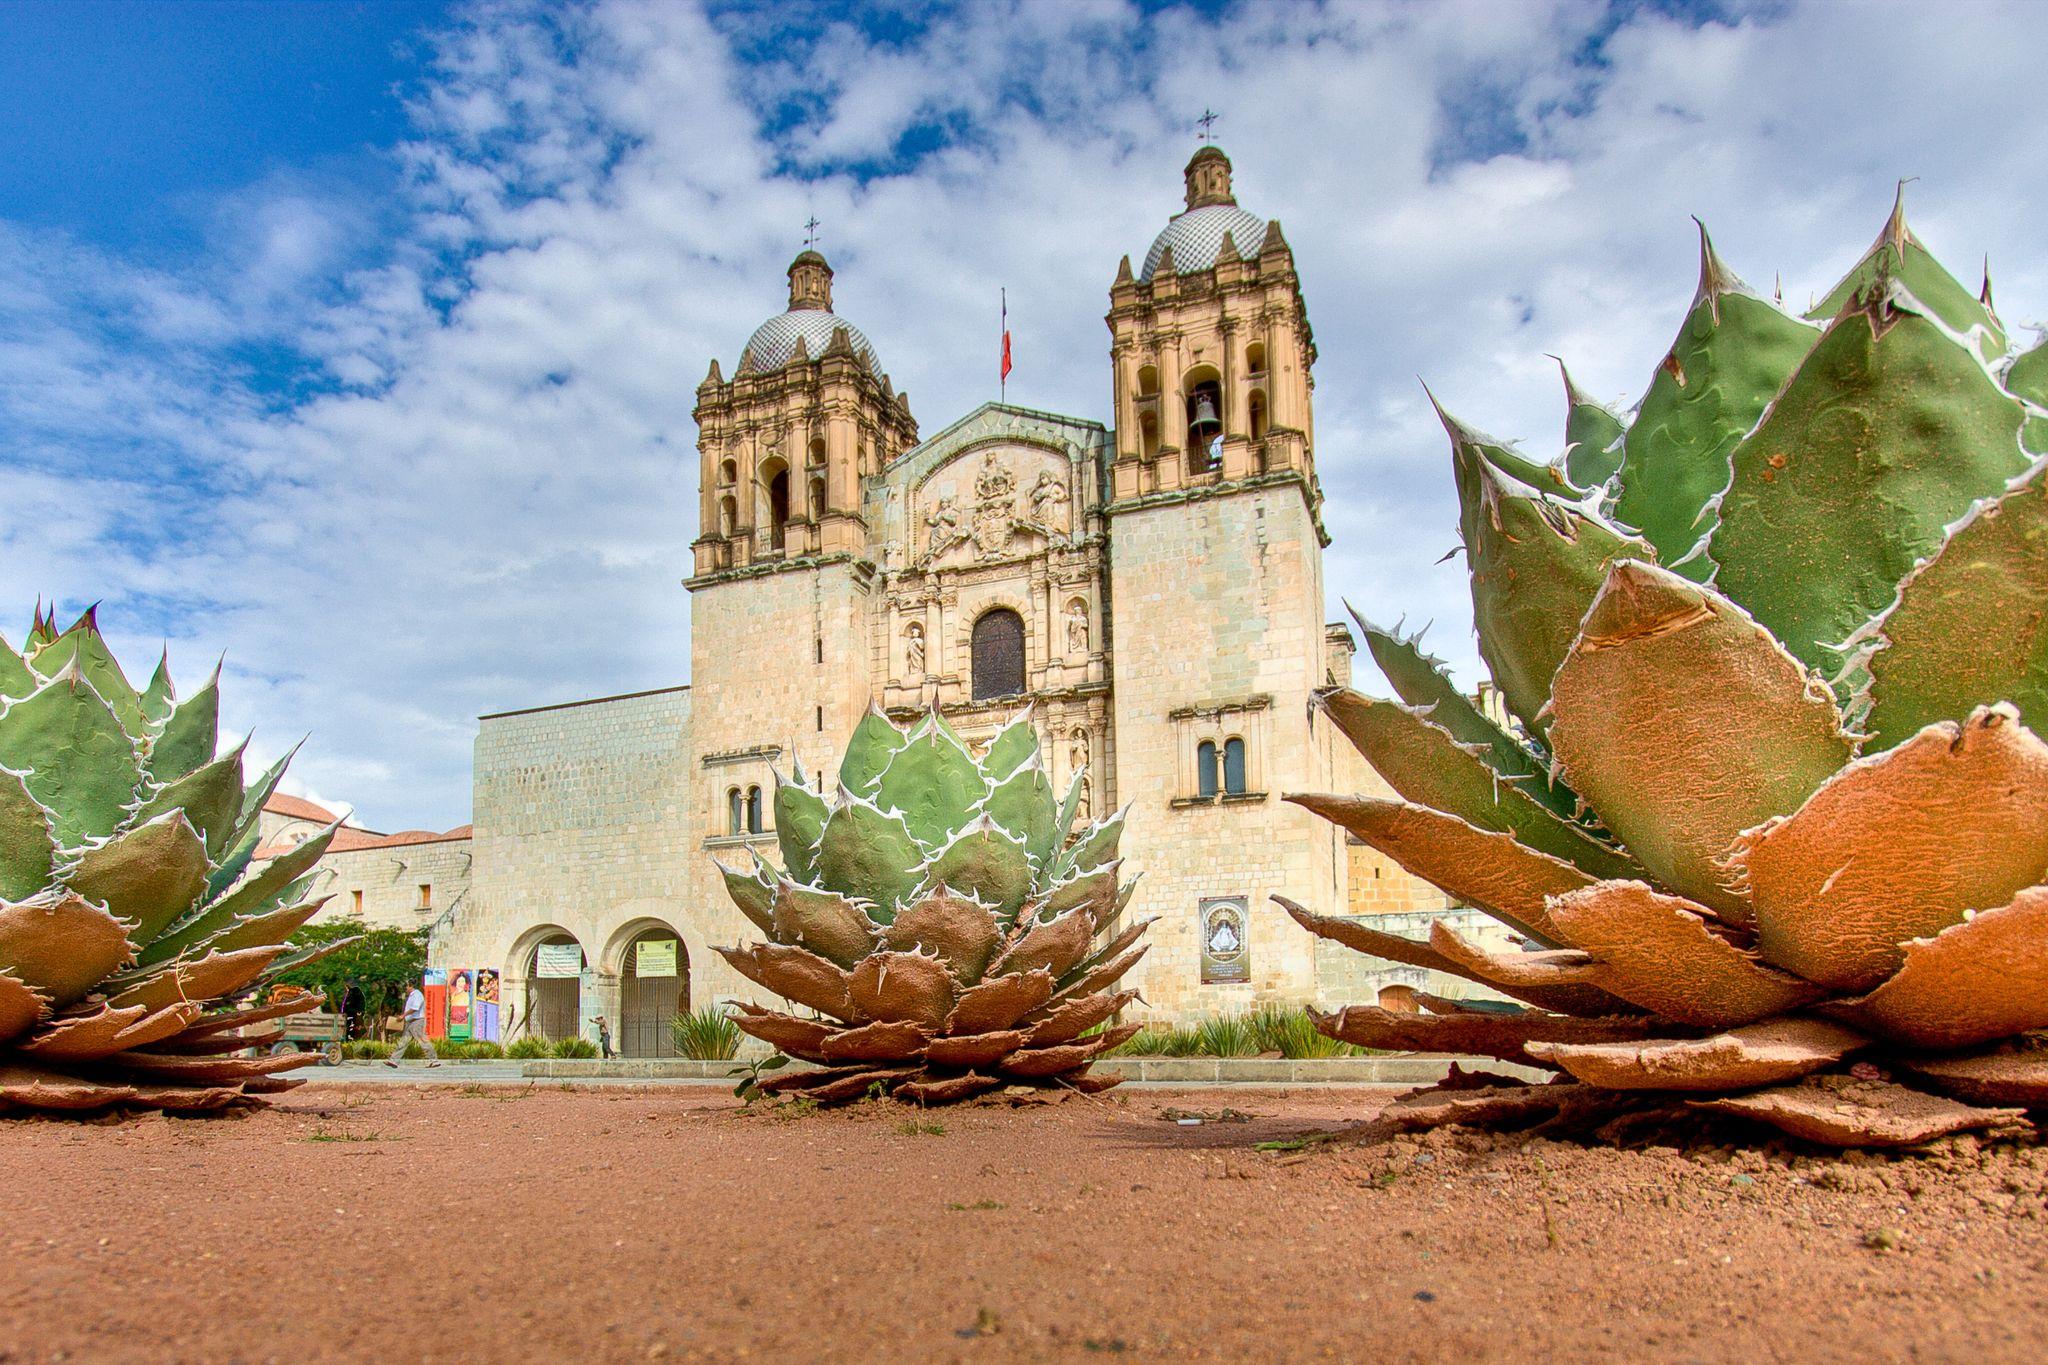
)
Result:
{"points": [[434, 985], [461, 1016], [486, 1004], [558, 959], [654, 957]]}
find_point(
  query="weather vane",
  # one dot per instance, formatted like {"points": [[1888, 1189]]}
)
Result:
{"points": [[1209, 116], [811, 231]]}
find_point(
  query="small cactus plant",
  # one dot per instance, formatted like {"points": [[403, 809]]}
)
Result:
{"points": [[942, 927]]}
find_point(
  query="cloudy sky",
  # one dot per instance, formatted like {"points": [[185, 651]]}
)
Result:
{"points": [[359, 341]]}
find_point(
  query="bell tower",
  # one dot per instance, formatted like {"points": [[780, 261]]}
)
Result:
{"points": [[1210, 349], [784, 444]]}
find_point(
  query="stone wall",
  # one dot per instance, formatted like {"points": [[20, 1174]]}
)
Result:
{"points": [[398, 886]]}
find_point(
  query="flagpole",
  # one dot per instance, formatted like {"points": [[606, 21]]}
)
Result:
{"points": [[1003, 340]]}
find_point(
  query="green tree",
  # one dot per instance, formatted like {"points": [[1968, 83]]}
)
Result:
{"points": [[382, 963]]}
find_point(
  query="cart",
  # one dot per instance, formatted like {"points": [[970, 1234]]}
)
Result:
{"points": [[320, 1031]]}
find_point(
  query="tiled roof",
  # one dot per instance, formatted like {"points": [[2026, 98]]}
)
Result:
{"points": [[773, 344], [298, 808], [1197, 237], [349, 839]]}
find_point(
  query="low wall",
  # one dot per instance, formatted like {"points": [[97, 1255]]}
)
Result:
{"points": [[1411, 1069]]}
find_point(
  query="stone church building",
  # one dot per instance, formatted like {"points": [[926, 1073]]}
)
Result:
{"points": [[1152, 589]]}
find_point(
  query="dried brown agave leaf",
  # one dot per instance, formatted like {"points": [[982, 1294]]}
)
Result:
{"points": [[946, 1089], [1502, 1036], [20, 1007], [1547, 967], [1898, 846], [1069, 1020], [1760, 1054], [900, 1041], [895, 987], [1483, 1106], [1839, 1112], [1051, 1061], [974, 1049], [825, 922], [1478, 867], [1983, 979], [27, 1087], [804, 1038], [802, 1078], [106, 1029], [1056, 945], [195, 980], [795, 974], [2014, 1073], [961, 932], [856, 1085], [1583, 1000], [167, 1067], [1755, 735], [61, 945], [1659, 952], [228, 1019], [999, 1002], [1104, 974]]}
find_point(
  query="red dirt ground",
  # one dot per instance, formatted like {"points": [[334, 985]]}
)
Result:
{"points": [[411, 1223]]}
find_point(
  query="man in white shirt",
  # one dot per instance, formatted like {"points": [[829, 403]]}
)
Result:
{"points": [[415, 1028]]}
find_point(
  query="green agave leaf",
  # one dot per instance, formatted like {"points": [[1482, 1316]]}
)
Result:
{"points": [[1535, 565], [799, 822], [210, 795], [1505, 460], [17, 679], [1070, 810], [1089, 888], [147, 876], [868, 853], [1592, 437], [1023, 804], [753, 892], [1730, 359], [933, 782], [261, 893], [1421, 680], [237, 861], [825, 922], [1428, 767], [160, 698], [263, 788], [2026, 378], [1092, 848], [1011, 748], [190, 735], [875, 740], [1967, 628], [1887, 413], [1897, 260], [1683, 723], [28, 853], [269, 928], [76, 759], [84, 643], [984, 861]]}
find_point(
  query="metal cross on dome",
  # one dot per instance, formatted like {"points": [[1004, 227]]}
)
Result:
{"points": [[811, 226], [1208, 118]]}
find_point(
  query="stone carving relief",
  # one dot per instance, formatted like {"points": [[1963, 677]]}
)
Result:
{"points": [[995, 508], [1049, 507], [987, 510], [943, 523]]}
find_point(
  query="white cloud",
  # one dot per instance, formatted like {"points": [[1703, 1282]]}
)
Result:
{"points": [[489, 501]]}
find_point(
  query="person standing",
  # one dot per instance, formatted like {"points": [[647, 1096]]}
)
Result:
{"points": [[415, 1028]]}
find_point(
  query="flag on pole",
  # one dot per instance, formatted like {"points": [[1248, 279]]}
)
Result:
{"points": [[1004, 379]]}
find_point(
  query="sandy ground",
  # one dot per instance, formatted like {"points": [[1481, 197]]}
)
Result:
{"points": [[353, 1223]]}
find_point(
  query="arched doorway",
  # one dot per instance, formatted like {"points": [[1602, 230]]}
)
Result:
{"points": [[654, 987], [554, 987]]}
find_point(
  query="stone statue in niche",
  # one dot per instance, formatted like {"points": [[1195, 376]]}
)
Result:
{"points": [[943, 522], [1084, 810], [1049, 504], [1077, 627], [1077, 752], [913, 651]]}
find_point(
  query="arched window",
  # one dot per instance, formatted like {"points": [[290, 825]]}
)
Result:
{"points": [[1148, 381], [817, 499], [1233, 767], [728, 515], [778, 507], [1255, 357], [1148, 436], [817, 452], [736, 815], [1205, 768], [1205, 422], [998, 649], [1258, 414], [728, 472], [753, 810]]}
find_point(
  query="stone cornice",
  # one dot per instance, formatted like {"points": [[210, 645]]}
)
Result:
{"points": [[1169, 497]]}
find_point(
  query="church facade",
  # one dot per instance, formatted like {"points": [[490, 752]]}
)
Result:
{"points": [[1152, 590]]}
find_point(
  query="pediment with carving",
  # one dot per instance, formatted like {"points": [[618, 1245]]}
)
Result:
{"points": [[993, 502]]}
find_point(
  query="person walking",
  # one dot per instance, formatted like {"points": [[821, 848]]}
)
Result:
{"points": [[604, 1039], [415, 1029]]}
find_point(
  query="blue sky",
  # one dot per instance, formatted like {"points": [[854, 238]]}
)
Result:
{"points": [[359, 340]]}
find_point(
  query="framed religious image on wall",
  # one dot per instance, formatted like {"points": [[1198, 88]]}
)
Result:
{"points": [[1226, 940]]}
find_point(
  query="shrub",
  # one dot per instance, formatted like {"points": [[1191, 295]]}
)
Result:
{"points": [[527, 1048], [481, 1050], [574, 1047], [706, 1035], [1289, 1033], [366, 1049], [1227, 1035]]}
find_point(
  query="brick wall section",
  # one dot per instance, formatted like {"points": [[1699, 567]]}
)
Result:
{"points": [[383, 884]]}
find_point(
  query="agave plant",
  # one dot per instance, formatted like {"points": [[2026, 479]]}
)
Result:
{"points": [[938, 921], [127, 923], [1769, 819]]}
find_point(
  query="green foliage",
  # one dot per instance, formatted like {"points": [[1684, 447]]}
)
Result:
{"points": [[366, 1050], [1227, 1035], [383, 963], [528, 1048], [705, 1035], [1292, 1035], [577, 1048], [1265, 1030]]}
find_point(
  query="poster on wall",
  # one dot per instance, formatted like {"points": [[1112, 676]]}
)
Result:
{"points": [[434, 985], [654, 957], [486, 1008], [461, 1014], [558, 960], [1226, 946]]}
